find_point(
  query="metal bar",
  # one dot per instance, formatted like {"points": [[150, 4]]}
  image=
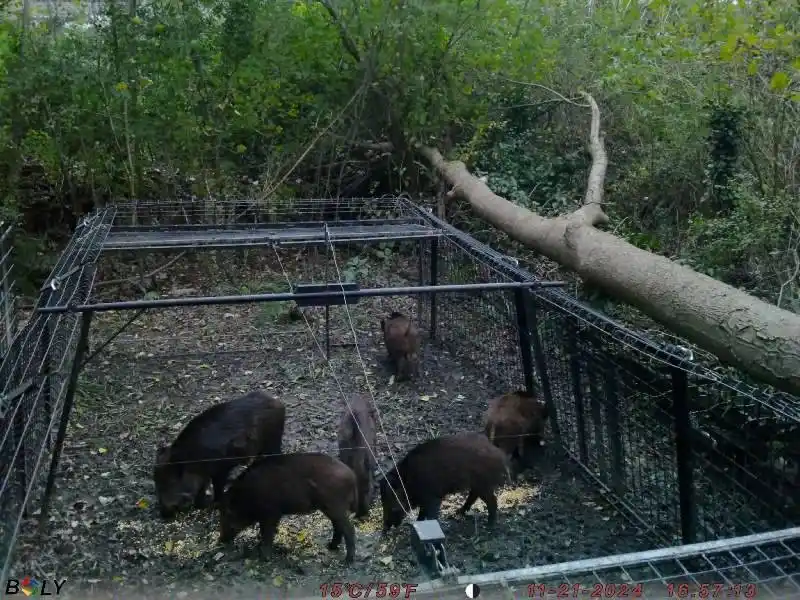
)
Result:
{"points": [[289, 296], [683, 454], [280, 225], [72, 385], [614, 430], [6, 288], [541, 366], [597, 422], [577, 390], [112, 246], [524, 340], [327, 331], [632, 558], [434, 281], [420, 278], [312, 288]]}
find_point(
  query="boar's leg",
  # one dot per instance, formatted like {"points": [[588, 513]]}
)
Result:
{"points": [[491, 505], [363, 496], [201, 499], [218, 481], [269, 527], [402, 368], [342, 527], [471, 498], [429, 510]]}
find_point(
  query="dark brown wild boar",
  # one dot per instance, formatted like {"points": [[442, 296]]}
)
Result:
{"points": [[515, 422], [211, 445], [356, 437], [401, 336], [465, 462], [291, 484]]}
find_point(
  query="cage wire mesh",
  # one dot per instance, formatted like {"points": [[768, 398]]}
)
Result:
{"points": [[34, 376], [8, 306], [613, 393], [764, 565]]}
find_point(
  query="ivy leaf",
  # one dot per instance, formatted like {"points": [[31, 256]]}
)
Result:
{"points": [[779, 81]]}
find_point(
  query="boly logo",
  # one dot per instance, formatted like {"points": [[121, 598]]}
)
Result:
{"points": [[31, 586]]}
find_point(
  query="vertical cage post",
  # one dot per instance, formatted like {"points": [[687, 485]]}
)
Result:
{"points": [[8, 305], [597, 413], [683, 454], [614, 430], [420, 277], [328, 254], [19, 429], [72, 385], [44, 349], [434, 281], [524, 340], [577, 389], [541, 363]]}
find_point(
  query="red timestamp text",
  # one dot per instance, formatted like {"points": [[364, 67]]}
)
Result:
{"points": [[367, 589], [578, 590], [712, 590]]}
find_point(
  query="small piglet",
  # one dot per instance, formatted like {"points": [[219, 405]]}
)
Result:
{"points": [[356, 437], [291, 484], [465, 462], [208, 448], [401, 336], [515, 422]]}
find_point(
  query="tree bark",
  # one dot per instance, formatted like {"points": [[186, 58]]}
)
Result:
{"points": [[757, 337]]}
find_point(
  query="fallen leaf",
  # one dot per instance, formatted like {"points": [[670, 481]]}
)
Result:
{"points": [[219, 555], [102, 450], [278, 581], [386, 560], [424, 398], [104, 500], [142, 503], [168, 545]]}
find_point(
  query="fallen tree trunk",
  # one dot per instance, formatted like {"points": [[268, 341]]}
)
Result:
{"points": [[757, 337]]}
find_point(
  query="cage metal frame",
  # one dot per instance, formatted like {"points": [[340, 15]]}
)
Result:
{"points": [[115, 229]]}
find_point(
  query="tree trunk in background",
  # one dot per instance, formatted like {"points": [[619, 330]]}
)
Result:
{"points": [[757, 337]]}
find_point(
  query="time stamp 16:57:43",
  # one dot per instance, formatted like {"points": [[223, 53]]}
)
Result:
{"points": [[733, 591]]}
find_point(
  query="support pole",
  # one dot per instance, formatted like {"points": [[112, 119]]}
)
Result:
{"points": [[327, 332], [72, 385], [614, 430], [434, 281], [420, 278], [683, 454], [541, 365], [524, 340], [577, 390]]}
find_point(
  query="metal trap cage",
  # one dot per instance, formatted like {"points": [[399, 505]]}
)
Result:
{"points": [[682, 454]]}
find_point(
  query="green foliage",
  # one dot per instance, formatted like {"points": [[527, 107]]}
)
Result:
{"points": [[700, 104]]}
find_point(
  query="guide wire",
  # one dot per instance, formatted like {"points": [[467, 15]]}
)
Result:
{"points": [[363, 364], [344, 396]]}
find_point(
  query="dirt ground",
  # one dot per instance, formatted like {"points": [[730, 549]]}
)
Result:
{"points": [[170, 365]]}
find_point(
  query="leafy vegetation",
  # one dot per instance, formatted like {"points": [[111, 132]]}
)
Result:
{"points": [[700, 101]]}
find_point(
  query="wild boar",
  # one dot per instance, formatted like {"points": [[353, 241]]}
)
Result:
{"points": [[465, 462], [211, 445], [356, 437], [515, 423], [291, 484], [401, 336]]}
